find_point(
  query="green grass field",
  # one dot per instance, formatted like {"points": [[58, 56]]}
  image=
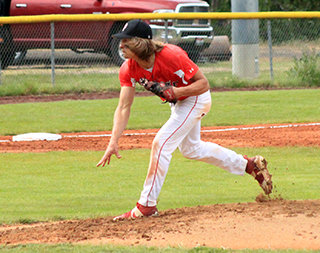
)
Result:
{"points": [[228, 108], [97, 78], [67, 185], [137, 249]]}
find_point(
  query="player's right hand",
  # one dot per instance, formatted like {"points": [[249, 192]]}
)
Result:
{"points": [[107, 156]]}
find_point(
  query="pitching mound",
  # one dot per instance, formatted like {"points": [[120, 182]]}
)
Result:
{"points": [[271, 224]]}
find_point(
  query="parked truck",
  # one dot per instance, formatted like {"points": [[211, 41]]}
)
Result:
{"points": [[192, 35]]}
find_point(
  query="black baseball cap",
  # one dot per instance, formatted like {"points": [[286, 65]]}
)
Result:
{"points": [[135, 28]]}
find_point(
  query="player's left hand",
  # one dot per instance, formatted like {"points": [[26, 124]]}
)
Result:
{"points": [[161, 89]]}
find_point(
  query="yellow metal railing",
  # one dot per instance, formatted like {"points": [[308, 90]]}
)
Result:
{"points": [[147, 16]]}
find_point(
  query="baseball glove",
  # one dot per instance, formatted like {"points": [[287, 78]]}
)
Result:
{"points": [[161, 89]]}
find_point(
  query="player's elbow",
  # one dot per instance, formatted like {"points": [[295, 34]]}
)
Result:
{"points": [[205, 85]]}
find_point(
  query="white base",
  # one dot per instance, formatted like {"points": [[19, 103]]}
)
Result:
{"points": [[37, 137]]}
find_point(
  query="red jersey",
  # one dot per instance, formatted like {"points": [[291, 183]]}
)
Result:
{"points": [[171, 65]]}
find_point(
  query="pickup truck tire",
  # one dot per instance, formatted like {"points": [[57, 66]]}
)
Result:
{"points": [[7, 58], [7, 51], [219, 49]]}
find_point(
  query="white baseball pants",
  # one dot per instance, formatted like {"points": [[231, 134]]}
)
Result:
{"points": [[183, 130]]}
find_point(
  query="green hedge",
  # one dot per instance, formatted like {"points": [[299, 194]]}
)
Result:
{"points": [[308, 29]]}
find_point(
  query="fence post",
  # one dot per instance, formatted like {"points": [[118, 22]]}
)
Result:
{"points": [[270, 49], [166, 30], [245, 40], [52, 55], [0, 70]]}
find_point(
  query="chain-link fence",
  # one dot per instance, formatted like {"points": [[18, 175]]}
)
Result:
{"points": [[83, 57]]}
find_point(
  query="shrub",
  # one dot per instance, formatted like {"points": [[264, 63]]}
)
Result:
{"points": [[307, 68]]}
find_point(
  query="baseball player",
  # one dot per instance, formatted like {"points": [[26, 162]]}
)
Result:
{"points": [[167, 71]]}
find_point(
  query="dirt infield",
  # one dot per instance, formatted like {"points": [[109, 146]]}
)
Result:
{"points": [[289, 135], [268, 223]]}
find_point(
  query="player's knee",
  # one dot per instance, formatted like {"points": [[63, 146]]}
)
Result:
{"points": [[156, 144], [188, 152]]}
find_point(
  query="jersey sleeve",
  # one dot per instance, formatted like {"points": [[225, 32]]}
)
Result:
{"points": [[189, 67], [124, 76]]}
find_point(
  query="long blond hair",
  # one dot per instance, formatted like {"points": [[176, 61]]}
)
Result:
{"points": [[144, 48]]}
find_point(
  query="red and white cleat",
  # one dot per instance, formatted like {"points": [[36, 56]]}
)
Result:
{"points": [[138, 212], [257, 167]]}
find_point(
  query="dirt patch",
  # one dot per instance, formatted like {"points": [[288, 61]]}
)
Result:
{"points": [[107, 95], [60, 97], [274, 224], [268, 223], [231, 136]]}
